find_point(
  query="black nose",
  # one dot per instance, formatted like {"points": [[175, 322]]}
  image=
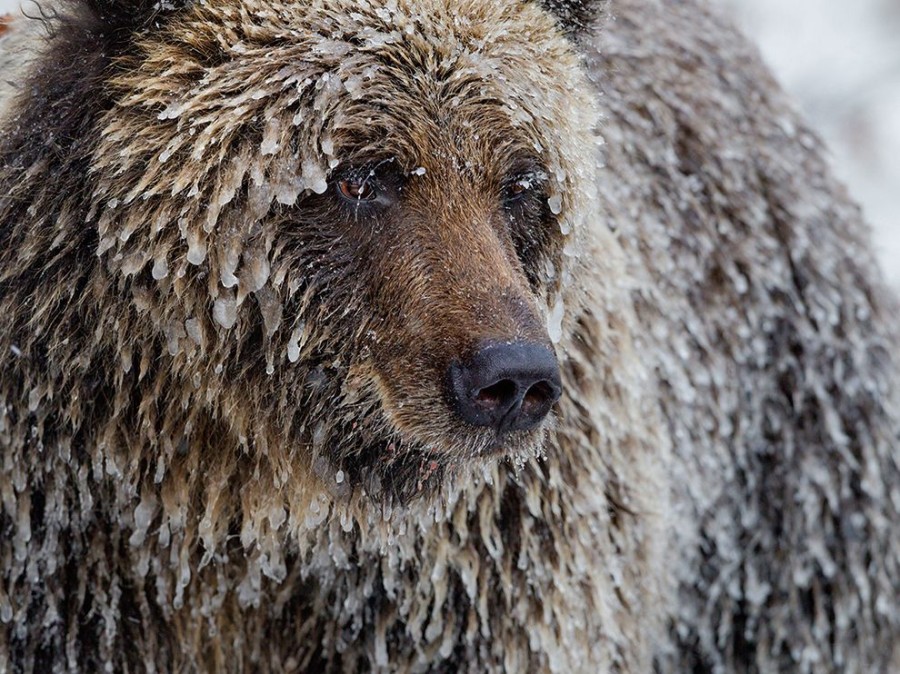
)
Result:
{"points": [[510, 387]]}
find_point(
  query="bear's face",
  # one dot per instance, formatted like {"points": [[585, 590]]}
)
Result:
{"points": [[350, 222]]}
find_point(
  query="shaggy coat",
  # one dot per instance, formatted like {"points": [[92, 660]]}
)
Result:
{"points": [[773, 345], [226, 438]]}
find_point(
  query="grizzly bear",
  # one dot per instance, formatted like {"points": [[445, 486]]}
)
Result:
{"points": [[432, 335]]}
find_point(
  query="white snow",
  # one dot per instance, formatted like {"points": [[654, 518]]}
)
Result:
{"points": [[554, 321], [555, 203]]}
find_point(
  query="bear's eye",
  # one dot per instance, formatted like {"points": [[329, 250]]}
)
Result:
{"points": [[357, 190], [517, 189], [523, 185], [366, 189]]}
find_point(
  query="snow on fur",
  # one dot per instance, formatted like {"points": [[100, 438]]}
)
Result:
{"points": [[190, 392]]}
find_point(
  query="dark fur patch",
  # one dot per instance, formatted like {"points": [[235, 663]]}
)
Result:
{"points": [[575, 16], [123, 16], [65, 93]]}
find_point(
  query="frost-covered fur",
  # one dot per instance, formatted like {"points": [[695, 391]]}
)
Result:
{"points": [[207, 456], [195, 367], [773, 344]]}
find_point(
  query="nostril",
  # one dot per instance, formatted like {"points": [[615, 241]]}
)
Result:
{"points": [[496, 395], [509, 386], [538, 396]]}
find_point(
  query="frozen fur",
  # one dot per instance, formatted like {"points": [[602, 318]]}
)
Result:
{"points": [[222, 448], [774, 346], [224, 444]]}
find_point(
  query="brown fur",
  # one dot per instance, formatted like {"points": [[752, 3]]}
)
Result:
{"points": [[774, 345], [251, 381], [226, 442]]}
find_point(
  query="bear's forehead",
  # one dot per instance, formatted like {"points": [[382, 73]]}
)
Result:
{"points": [[461, 80], [435, 57], [448, 25], [277, 95]]}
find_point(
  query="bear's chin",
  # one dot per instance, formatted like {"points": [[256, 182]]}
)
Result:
{"points": [[408, 470]]}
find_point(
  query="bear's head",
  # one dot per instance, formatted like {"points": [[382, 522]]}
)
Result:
{"points": [[346, 225]]}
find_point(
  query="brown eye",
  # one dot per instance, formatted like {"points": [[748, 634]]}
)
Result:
{"points": [[522, 186], [357, 191], [518, 188]]}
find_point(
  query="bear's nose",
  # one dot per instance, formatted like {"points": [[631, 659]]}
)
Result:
{"points": [[508, 386]]}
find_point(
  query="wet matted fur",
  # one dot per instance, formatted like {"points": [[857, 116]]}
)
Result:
{"points": [[225, 442]]}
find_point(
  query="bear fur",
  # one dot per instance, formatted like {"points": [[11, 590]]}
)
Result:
{"points": [[773, 342], [225, 441]]}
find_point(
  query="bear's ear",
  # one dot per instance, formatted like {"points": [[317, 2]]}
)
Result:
{"points": [[125, 15], [575, 16]]}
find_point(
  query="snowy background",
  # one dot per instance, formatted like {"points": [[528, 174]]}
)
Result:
{"points": [[841, 60]]}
